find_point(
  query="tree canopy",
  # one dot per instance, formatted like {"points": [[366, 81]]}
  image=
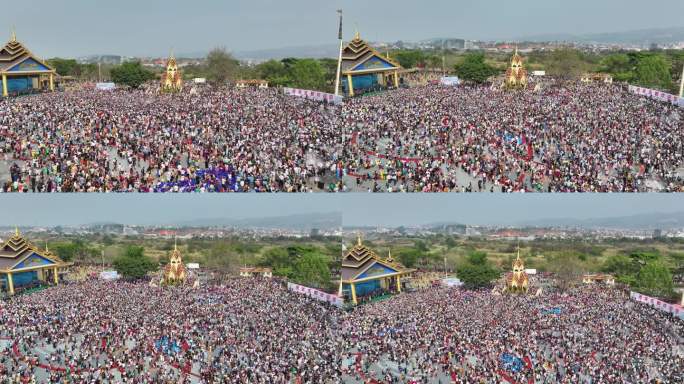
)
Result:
{"points": [[76, 250], [408, 256], [274, 72], [312, 269], [477, 272], [567, 268], [221, 66], [642, 271], [566, 64], [133, 264], [411, 58], [307, 74], [131, 73], [305, 265], [475, 69], [654, 72], [299, 73], [655, 279]]}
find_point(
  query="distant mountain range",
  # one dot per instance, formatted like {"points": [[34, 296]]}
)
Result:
{"points": [[639, 37], [311, 51], [329, 220], [325, 221], [636, 37], [647, 221]]}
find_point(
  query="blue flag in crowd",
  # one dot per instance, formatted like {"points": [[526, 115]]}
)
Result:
{"points": [[511, 362]]}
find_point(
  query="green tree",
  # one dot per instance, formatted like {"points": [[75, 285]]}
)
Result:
{"points": [[477, 272], [435, 61], [307, 74], [107, 240], [330, 69], [132, 74], [75, 250], [312, 270], [473, 68], [653, 71], [221, 66], [621, 265], [65, 251], [567, 269], [421, 246], [274, 72], [619, 65], [280, 261], [566, 64], [65, 67], [655, 279], [408, 256], [133, 264], [410, 58], [450, 242]]}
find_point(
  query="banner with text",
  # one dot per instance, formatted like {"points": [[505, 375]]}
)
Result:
{"points": [[316, 294], [657, 95], [674, 309], [313, 95]]}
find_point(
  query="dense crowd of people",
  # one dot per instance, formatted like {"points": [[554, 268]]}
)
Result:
{"points": [[566, 138], [255, 331], [448, 335], [243, 331]]}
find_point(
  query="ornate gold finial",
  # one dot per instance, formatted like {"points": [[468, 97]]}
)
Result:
{"points": [[175, 242], [389, 255], [516, 49], [518, 250], [16, 231], [172, 56], [46, 247], [357, 35], [358, 238], [13, 35]]}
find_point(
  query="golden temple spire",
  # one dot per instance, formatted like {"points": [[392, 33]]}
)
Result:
{"points": [[175, 242], [16, 231], [171, 55], [358, 239], [518, 258], [516, 49], [357, 35], [13, 35], [389, 256], [46, 246]]}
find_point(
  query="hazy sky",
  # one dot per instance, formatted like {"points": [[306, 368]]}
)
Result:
{"points": [[144, 209], [499, 209], [70, 28], [357, 209]]}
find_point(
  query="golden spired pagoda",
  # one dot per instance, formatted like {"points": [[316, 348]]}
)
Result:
{"points": [[174, 273], [172, 79], [516, 75], [518, 281]]}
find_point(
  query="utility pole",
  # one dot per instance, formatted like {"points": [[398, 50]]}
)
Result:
{"points": [[681, 83], [339, 60], [444, 57]]}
